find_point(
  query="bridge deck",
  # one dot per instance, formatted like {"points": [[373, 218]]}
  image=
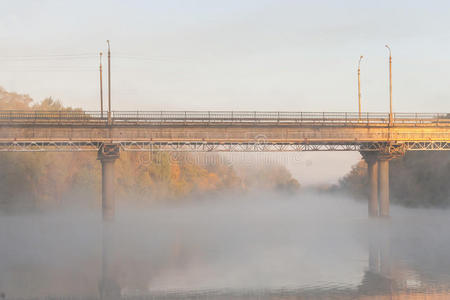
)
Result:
{"points": [[222, 131]]}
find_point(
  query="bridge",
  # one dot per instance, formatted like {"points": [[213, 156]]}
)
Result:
{"points": [[376, 136]]}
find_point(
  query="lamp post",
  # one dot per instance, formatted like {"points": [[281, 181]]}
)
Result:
{"points": [[109, 84], [101, 86], [359, 88], [390, 86]]}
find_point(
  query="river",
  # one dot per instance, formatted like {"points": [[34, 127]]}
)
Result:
{"points": [[254, 246]]}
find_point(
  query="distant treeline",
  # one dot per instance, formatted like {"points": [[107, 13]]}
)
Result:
{"points": [[420, 178], [40, 181]]}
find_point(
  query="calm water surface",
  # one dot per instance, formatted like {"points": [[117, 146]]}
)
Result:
{"points": [[251, 247]]}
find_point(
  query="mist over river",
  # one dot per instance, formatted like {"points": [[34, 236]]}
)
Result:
{"points": [[258, 246]]}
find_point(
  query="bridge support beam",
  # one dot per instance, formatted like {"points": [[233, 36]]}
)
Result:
{"points": [[371, 159], [384, 186], [107, 154], [372, 170], [378, 173]]}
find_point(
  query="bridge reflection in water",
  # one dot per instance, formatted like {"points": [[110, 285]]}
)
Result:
{"points": [[303, 247], [386, 276]]}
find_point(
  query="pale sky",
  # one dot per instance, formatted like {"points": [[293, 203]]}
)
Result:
{"points": [[232, 55]]}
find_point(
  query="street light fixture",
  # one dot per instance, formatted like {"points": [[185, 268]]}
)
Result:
{"points": [[390, 86], [359, 88], [109, 84], [101, 86]]}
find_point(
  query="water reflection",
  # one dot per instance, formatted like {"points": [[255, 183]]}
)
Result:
{"points": [[311, 247], [109, 287]]}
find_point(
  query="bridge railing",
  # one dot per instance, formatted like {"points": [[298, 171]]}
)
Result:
{"points": [[195, 117], [285, 117]]}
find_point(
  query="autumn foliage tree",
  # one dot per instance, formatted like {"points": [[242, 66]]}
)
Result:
{"points": [[419, 178], [45, 180]]}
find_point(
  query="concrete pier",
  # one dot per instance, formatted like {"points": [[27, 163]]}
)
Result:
{"points": [[107, 154], [108, 189], [372, 169], [371, 159], [378, 174], [384, 186]]}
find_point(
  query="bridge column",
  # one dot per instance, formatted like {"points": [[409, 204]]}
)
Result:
{"points": [[372, 170], [384, 185], [107, 154]]}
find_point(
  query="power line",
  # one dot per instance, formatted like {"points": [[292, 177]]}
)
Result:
{"points": [[47, 55], [45, 59], [75, 62], [81, 56], [46, 70]]}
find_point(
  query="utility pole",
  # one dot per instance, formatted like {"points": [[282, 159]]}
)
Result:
{"points": [[101, 86], [109, 84], [391, 119], [359, 88]]}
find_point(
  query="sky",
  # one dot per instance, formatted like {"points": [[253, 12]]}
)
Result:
{"points": [[232, 55]]}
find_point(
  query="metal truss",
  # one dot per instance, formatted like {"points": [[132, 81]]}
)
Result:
{"points": [[231, 147], [424, 146], [71, 146], [49, 146], [405, 146]]}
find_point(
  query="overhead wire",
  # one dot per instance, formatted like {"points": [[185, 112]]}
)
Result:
{"points": [[52, 61]]}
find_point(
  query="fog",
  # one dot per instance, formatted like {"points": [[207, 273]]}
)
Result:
{"points": [[255, 242]]}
